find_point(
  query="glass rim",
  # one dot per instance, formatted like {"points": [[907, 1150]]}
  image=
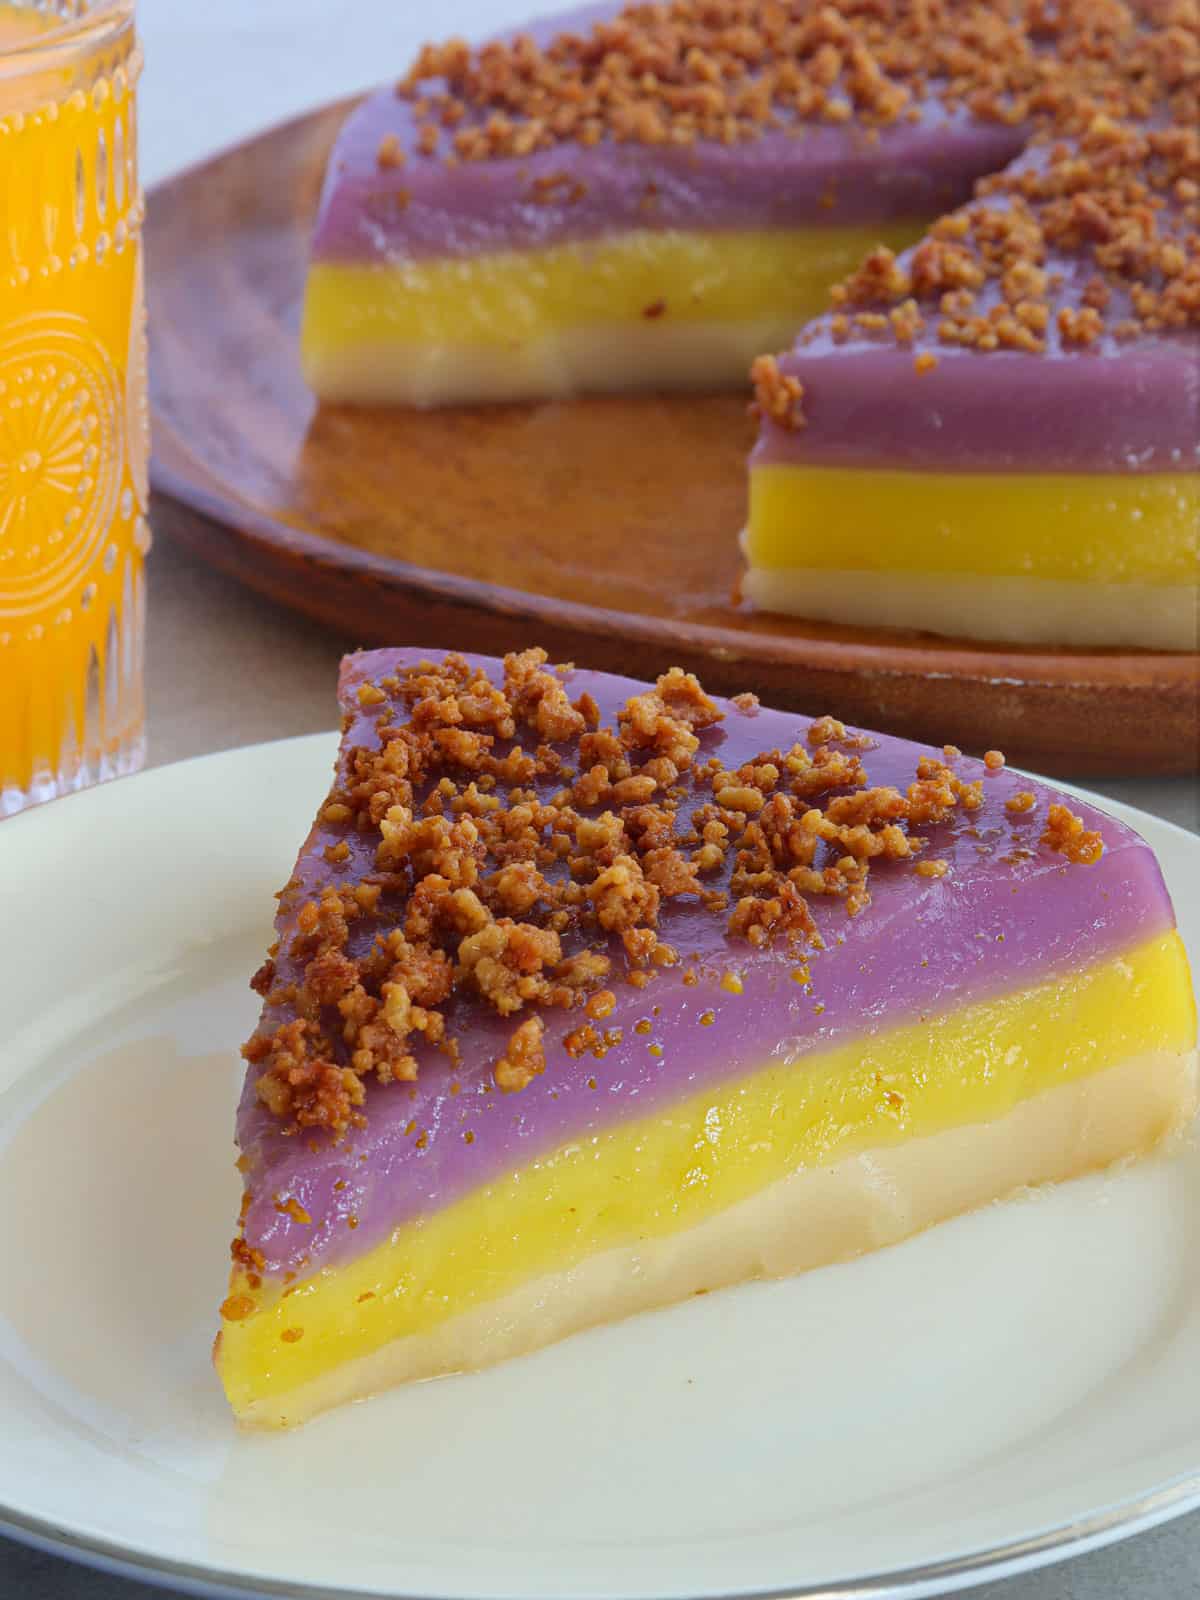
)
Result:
{"points": [[63, 29]]}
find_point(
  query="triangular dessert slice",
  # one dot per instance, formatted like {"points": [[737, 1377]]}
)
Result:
{"points": [[589, 995]]}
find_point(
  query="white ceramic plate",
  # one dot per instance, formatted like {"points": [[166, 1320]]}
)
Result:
{"points": [[991, 1395]]}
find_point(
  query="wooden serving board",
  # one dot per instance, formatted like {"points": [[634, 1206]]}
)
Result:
{"points": [[603, 528]]}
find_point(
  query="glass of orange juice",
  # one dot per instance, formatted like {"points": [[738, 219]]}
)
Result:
{"points": [[73, 428]]}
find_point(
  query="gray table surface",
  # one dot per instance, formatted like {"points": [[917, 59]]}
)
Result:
{"points": [[214, 75]]}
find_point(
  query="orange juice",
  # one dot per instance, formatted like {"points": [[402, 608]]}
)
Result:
{"points": [[73, 431]]}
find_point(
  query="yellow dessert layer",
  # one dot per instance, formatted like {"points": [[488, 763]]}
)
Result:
{"points": [[646, 309], [1088, 528], [510, 297], [678, 1168]]}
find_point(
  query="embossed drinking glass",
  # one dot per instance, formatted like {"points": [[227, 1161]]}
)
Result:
{"points": [[73, 430]]}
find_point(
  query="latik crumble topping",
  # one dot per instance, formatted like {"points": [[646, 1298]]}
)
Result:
{"points": [[731, 71], [1066, 833], [1110, 186], [478, 888], [1091, 238], [524, 1059], [776, 395]]}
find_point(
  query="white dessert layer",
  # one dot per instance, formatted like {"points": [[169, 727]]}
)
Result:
{"points": [[992, 607], [610, 359], [813, 1218]]}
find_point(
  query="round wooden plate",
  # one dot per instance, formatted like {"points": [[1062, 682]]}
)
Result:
{"points": [[603, 528]]}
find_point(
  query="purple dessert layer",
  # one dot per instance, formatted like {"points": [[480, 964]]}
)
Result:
{"points": [[1117, 405], [817, 175], [1114, 407], [1008, 915]]}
